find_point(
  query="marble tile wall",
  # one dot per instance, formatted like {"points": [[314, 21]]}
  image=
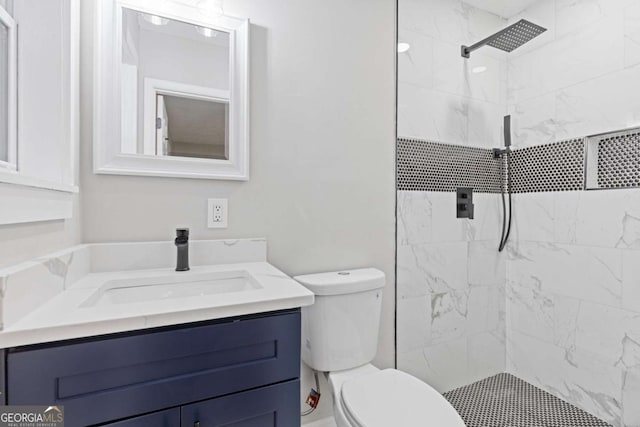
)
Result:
{"points": [[440, 98], [450, 278], [573, 313], [581, 77], [451, 304], [573, 299], [562, 308]]}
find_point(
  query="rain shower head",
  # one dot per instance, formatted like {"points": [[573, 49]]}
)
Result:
{"points": [[510, 38]]}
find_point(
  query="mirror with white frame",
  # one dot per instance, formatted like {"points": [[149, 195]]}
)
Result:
{"points": [[171, 91]]}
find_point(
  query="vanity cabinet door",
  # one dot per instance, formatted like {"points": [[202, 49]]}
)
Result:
{"points": [[168, 418], [116, 378], [273, 406]]}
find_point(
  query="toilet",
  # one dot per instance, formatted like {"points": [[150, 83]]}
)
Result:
{"points": [[340, 337]]}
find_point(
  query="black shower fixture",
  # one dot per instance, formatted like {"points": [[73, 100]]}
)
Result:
{"points": [[504, 155], [509, 39]]}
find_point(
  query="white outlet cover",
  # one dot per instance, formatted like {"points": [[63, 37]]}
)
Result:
{"points": [[217, 213]]}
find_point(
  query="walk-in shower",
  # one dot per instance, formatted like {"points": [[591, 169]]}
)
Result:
{"points": [[546, 332], [508, 39]]}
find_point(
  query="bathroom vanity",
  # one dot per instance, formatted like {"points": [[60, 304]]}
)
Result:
{"points": [[241, 370], [217, 345]]}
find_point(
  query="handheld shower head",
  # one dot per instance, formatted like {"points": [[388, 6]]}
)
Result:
{"points": [[508, 39], [507, 131], [504, 154], [500, 152]]}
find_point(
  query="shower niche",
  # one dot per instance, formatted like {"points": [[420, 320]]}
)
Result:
{"points": [[613, 160]]}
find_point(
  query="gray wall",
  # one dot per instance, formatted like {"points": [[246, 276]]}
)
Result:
{"points": [[322, 149]]}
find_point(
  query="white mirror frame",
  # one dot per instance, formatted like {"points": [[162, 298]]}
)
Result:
{"points": [[107, 155]]}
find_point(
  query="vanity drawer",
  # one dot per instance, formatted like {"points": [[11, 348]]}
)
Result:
{"points": [[273, 406], [168, 418], [120, 376]]}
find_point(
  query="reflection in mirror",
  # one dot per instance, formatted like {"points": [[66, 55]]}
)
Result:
{"points": [[7, 67], [192, 127], [4, 92], [175, 88]]}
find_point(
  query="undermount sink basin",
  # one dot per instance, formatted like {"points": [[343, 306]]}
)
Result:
{"points": [[177, 285]]}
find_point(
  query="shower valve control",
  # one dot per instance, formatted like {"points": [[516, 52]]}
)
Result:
{"points": [[464, 202]]}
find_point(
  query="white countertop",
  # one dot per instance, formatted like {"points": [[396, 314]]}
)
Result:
{"points": [[62, 317]]}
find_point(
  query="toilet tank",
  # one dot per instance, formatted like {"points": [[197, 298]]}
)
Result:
{"points": [[340, 330]]}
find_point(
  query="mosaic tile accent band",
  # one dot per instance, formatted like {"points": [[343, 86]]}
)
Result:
{"points": [[432, 166], [619, 160], [550, 167], [507, 401]]}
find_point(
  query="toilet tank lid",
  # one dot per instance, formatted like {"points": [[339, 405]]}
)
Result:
{"points": [[343, 282]]}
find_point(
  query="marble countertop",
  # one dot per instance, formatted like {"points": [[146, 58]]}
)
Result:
{"points": [[66, 316]]}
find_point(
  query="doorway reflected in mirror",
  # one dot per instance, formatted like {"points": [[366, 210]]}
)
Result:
{"points": [[188, 127]]}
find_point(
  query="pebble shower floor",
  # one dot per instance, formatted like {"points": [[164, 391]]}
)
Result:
{"points": [[507, 401]]}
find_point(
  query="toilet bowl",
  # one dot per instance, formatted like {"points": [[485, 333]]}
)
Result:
{"points": [[369, 397], [340, 336]]}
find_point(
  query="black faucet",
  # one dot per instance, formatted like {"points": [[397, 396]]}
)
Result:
{"points": [[182, 242]]}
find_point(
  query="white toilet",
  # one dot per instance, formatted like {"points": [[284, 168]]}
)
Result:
{"points": [[340, 336]]}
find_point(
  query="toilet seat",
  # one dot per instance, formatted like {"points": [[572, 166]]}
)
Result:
{"points": [[394, 398]]}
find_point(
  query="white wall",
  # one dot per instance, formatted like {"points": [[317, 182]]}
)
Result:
{"points": [[322, 149]]}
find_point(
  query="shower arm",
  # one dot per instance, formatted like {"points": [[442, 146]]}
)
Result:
{"points": [[465, 51]]}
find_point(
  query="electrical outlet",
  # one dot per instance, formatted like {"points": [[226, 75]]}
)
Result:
{"points": [[217, 213]]}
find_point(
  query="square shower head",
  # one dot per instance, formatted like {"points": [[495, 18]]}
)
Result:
{"points": [[516, 35], [508, 39]]}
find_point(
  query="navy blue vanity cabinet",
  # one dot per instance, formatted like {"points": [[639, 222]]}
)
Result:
{"points": [[276, 405], [168, 418], [242, 369]]}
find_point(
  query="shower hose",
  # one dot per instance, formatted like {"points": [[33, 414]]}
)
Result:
{"points": [[506, 185]]}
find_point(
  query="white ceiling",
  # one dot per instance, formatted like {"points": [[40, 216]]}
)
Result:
{"points": [[504, 8]]}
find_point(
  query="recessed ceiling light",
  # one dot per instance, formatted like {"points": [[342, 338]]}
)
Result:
{"points": [[155, 20], [479, 69], [403, 47], [206, 32]]}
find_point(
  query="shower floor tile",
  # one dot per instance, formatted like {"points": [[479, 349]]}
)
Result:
{"points": [[507, 401]]}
